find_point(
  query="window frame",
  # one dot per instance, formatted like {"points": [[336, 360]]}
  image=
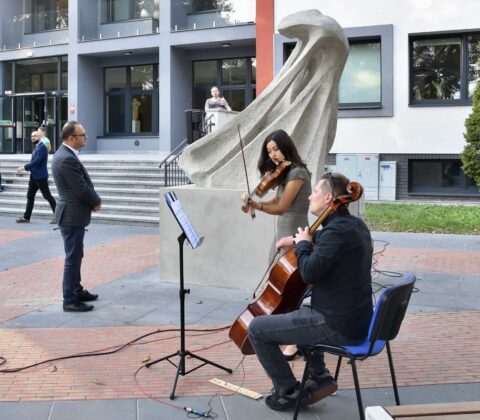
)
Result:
{"points": [[464, 100], [463, 190], [384, 33], [128, 93]]}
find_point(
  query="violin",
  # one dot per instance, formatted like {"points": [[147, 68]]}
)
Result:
{"points": [[285, 288], [271, 179]]}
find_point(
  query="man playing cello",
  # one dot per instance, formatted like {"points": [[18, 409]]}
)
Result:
{"points": [[336, 262]]}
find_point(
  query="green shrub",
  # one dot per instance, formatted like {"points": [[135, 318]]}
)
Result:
{"points": [[471, 152]]}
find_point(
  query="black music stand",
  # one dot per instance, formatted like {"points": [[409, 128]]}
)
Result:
{"points": [[188, 232]]}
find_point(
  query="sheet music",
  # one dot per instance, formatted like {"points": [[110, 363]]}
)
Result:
{"points": [[182, 219]]}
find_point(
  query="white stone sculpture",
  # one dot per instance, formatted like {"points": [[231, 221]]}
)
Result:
{"points": [[302, 100]]}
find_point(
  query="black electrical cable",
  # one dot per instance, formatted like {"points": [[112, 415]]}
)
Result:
{"points": [[376, 273], [102, 352]]}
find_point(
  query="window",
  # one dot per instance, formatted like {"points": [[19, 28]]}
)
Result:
{"points": [[121, 10], [366, 85], [131, 100], [235, 77], [41, 74], [361, 82], [444, 69], [48, 15], [442, 177], [201, 14]]}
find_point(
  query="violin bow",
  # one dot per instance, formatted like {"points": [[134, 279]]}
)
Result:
{"points": [[245, 168]]}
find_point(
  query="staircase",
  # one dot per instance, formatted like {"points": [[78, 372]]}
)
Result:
{"points": [[129, 188]]}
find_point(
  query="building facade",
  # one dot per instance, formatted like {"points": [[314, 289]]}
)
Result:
{"points": [[404, 94], [129, 69]]}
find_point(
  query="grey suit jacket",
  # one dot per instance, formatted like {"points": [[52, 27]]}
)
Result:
{"points": [[77, 196]]}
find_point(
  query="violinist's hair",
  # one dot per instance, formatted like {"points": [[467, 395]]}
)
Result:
{"points": [[337, 183], [286, 146]]}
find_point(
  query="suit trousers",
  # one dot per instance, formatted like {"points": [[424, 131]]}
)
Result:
{"points": [[73, 243], [33, 186]]}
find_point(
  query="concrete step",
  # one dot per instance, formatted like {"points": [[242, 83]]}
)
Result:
{"points": [[41, 203], [129, 188], [9, 174], [106, 199], [105, 182], [119, 192], [96, 217], [6, 167]]}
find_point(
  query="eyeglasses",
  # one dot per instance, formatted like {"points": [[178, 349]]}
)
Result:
{"points": [[80, 135]]}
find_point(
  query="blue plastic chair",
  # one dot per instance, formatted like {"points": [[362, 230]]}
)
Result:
{"points": [[384, 327]]}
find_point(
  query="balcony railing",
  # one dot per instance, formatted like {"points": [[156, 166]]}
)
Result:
{"points": [[30, 30], [110, 30]]}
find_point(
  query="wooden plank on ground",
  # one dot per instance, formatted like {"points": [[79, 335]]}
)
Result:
{"points": [[419, 410], [472, 416]]}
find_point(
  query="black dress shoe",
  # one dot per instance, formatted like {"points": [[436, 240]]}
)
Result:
{"points": [[77, 307], [86, 296]]}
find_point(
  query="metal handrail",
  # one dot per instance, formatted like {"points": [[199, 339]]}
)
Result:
{"points": [[173, 175]]}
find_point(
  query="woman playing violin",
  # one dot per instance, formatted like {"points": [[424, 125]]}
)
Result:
{"points": [[290, 202]]}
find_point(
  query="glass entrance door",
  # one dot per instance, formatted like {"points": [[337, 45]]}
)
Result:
{"points": [[20, 115], [30, 115], [51, 118], [7, 124]]}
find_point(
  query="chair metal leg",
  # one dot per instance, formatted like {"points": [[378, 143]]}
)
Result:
{"points": [[337, 370], [307, 355], [357, 389], [392, 373]]}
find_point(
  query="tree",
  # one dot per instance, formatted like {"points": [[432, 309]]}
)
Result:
{"points": [[471, 152]]}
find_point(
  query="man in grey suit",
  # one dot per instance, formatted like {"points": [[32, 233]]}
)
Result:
{"points": [[77, 199]]}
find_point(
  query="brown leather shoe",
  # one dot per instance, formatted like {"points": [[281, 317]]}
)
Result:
{"points": [[22, 220]]}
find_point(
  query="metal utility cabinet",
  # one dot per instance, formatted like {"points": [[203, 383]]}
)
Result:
{"points": [[362, 168]]}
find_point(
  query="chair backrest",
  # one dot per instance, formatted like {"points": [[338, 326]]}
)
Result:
{"points": [[390, 311]]}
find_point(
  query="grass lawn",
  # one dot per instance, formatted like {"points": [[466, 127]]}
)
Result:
{"points": [[423, 218]]}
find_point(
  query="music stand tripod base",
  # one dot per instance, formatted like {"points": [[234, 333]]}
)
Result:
{"points": [[182, 353]]}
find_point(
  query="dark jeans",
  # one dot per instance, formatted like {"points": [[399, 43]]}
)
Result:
{"points": [[302, 327], [73, 243], [33, 186]]}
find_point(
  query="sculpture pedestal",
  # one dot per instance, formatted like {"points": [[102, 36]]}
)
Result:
{"points": [[235, 249]]}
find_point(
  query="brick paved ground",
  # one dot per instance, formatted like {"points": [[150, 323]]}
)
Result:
{"points": [[8, 235], [425, 352], [35, 285], [433, 261], [421, 357]]}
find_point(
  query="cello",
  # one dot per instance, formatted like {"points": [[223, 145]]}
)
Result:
{"points": [[285, 288]]}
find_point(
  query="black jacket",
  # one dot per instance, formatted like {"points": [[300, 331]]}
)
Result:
{"points": [[338, 266], [77, 197]]}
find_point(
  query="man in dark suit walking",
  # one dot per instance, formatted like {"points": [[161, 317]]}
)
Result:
{"points": [[38, 178], [77, 199]]}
